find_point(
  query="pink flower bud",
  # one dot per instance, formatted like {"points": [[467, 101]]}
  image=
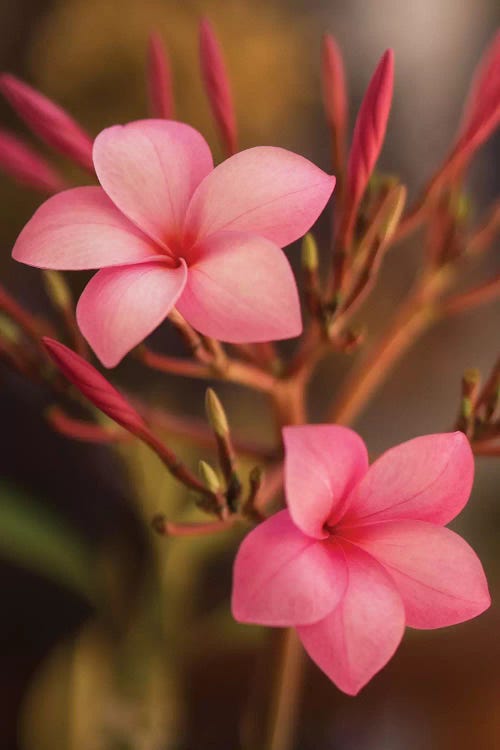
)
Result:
{"points": [[26, 166], [159, 79], [334, 89], [217, 86], [48, 121], [369, 131], [95, 387], [482, 111]]}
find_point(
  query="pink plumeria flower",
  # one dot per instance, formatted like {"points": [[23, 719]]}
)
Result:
{"points": [[361, 552], [166, 228]]}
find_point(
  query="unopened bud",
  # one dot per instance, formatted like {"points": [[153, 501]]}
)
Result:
{"points": [[470, 390], [58, 289], [216, 414], [310, 259], [393, 207], [471, 378], [209, 477]]}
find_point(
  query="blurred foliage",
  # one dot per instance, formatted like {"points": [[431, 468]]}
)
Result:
{"points": [[117, 685], [37, 539]]}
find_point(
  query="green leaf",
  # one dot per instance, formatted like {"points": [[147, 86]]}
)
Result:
{"points": [[35, 538]]}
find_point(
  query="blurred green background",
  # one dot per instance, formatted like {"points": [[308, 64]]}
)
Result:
{"points": [[110, 639]]}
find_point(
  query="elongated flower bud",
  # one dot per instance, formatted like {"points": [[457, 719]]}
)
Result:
{"points": [[216, 414], [310, 260], [209, 477], [26, 166], [369, 131], [48, 121], [217, 86], [105, 397], [392, 210], [482, 110], [334, 96], [159, 79], [94, 387], [58, 289]]}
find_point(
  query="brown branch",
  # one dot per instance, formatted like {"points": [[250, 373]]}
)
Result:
{"points": [[480, 295]]}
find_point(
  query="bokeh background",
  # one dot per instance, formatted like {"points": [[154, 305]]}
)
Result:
{"points": [[112, 640]]}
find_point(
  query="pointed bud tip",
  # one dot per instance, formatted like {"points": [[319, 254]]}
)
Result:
{"points": [[310, 260], [57, 289], [216, 414], [472, 375], [209, 477], [395, 200]]}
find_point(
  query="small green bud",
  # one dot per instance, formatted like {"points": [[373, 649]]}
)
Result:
{"points": [[466, 408], [216, 414], [209, 477], [58, 289], [393, 206], [472, 376], [309, 253]]}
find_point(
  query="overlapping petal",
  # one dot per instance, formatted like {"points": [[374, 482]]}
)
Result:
{"points": [[265, 190], [439, 577], [240, 288], [150, 169], [428, 478], [81, 229], [283, 578], [323, 463], [119, 307], [361, 634]]}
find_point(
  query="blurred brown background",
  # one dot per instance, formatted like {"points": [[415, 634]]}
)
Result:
{"points": [[442, 689]]}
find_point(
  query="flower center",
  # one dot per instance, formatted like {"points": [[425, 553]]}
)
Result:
{"points": [[330, 529]]}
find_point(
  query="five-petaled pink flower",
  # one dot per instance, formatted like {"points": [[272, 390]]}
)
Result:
{"points": [[166, 228], [361, 552]]}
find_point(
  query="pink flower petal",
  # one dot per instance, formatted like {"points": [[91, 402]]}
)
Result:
{"points": [[322, 464], [439, 577], [79, 229], [428, 478], [150, 169], [241, 288], [362, 633], [119, 307], [264, 190], [282, 577]]}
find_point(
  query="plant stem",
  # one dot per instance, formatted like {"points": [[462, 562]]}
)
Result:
{"points": [[289, 403], [287, 692], [410, 321]]}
